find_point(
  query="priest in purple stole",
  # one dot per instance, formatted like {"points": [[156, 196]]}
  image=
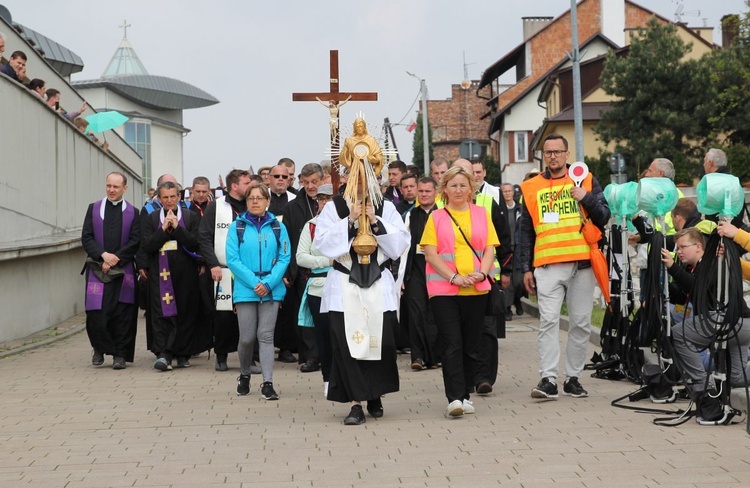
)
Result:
{"points": [[111, 235], [170, 239]]}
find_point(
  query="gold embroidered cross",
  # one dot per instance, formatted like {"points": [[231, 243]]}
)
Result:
{"points": [[167, 298], [358, 337], [164, 274]]}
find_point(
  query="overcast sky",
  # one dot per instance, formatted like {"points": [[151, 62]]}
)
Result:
{"points": [[252, 55]]}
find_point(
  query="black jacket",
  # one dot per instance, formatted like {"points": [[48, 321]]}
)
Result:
{"points": [[295, 215], [207, 228]]}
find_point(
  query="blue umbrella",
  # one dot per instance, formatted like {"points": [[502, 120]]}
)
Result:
{"points": [[104, 121]]}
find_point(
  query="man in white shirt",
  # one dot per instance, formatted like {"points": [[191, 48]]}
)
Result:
{"points": [[483, 187]]}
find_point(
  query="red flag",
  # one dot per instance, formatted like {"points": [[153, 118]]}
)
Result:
{"points": [[411, 127]]}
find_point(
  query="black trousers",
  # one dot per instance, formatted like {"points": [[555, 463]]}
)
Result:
{"points": [[459, 321], [285, 334], [423, 332], [486, 355], [322, 335]]}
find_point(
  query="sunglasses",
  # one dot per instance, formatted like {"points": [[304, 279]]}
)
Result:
{"points": [[281, 176]]}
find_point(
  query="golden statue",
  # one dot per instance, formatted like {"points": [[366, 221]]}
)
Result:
{"points": [[363, 157]]}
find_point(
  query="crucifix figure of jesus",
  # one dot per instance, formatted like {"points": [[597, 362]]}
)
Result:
{"points": [[333, 107], [335, 100]]}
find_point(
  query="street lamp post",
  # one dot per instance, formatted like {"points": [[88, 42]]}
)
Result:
{"points": [[425, 123]]}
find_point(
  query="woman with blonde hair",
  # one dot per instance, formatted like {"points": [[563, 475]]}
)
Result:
{"points": [[459, 242]]}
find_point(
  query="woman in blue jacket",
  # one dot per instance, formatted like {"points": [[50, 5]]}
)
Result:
{"points": [[258, 253]]}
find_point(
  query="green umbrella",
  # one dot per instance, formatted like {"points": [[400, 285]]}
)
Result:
{"points": [[104, 121]]}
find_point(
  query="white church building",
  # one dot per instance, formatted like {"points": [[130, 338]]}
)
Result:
{"points": [[154, 105]]}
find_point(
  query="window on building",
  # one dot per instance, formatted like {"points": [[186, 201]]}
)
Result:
{"points": [[522, 147], [138, 136]]}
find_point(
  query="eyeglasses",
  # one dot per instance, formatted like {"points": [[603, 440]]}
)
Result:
{"points": [[549, 154], [680, 248], [281, 176], [256, 199]]}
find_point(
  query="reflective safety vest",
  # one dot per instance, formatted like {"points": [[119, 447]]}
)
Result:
{"points": [[446, 249], [561, 241], [482, 200]]}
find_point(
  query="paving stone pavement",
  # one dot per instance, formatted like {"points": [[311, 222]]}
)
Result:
{"points": [[64, 423]]}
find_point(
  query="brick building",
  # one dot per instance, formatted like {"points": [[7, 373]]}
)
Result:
{"points": [[512, 114], [456, 125]]}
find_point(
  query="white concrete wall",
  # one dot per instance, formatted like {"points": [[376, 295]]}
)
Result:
{"points": [[49, 173], [50, 170], [166, 153], [40, 291]]}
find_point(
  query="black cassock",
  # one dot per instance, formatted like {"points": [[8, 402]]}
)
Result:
{"points": [[112, 329], [186, 333]]}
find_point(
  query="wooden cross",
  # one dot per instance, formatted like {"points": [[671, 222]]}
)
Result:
{"points": [[167, 298], [164, 274], [334, 98]]}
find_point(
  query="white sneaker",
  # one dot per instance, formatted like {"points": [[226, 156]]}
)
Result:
{"points": [[325, 389], [455, 409], [468, 407]]}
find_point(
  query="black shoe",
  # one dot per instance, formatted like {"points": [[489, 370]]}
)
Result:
{"points": [[508, 316], [484, 388], [356, 416], [310, 366], [243, 384], [375, 408], [519, 309], [183, 363], [545, 389], [221, 362], [118, 363], [286, 356], [710, 410], [573, 388], [97, 358], [267, 391], [163, 365], [417, 364]]}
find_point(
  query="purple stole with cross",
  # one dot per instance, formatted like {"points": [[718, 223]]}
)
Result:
{"points": [[166, 287], [94, 286]]}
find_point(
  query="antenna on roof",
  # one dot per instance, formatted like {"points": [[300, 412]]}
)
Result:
{"points": [[466, 83], [681, 13]]}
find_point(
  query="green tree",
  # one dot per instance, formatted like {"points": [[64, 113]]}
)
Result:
{"points": [[728, 121], [660, 101], [494, 175], [418, 144]]}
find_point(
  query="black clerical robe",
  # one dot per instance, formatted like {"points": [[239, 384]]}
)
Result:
{"points": [[112, 329], [226, 330], [183, 334]]}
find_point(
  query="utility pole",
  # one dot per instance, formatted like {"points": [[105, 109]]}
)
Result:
{"points": [[425, 123], [575, 57]]}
